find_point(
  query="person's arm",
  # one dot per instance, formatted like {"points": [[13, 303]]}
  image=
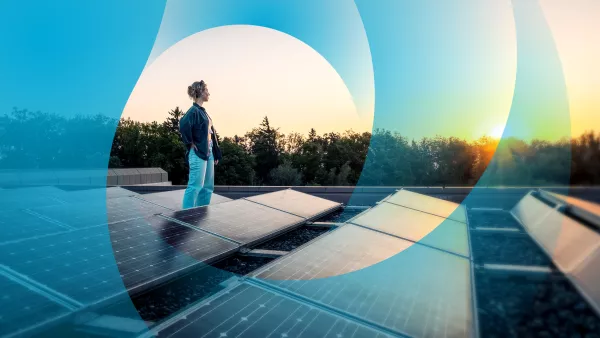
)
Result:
{"points": [[186, 132]]}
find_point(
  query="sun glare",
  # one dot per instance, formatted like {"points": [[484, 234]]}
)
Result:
{"points": [[497, 131]]}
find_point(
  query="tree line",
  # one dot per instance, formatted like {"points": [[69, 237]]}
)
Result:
{"points": [[265, 156]]}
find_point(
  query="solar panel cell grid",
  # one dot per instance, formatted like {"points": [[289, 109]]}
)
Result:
{"points": [[18, 224], [22, 308], [429, 204], [416, 290], [81, 264], [249, 311], [173, 199], [416, 226], [99, 211], [240, 220], [295, 202]]}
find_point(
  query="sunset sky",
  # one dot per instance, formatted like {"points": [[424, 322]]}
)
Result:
{"points": [[252, 72]]}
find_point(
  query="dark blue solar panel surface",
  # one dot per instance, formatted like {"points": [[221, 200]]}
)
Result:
{"points": [[18, 224], [86, 214], [22, 308], [406, 287], [295, 202], [240, 220], [83, 266], [174, 199], [249, 311]]}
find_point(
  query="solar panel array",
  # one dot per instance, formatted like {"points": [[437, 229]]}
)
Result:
{"points": [[361, 276], [88, 253]]}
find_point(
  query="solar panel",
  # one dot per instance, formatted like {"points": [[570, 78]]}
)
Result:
{"points": [[530, 212], [586, 277], [429, 204], [586, 210], [99, 211], [94, 264], [297, 203], [18, 224], [435, 231], [26, 197], [22, 309], [405, 287], [250, 311], [173, 199], [95, 194], [240, 220], [565, 240]]}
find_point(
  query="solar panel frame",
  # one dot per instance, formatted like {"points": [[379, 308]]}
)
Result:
{"points": [[230, 219], [263, 199], [86, 266], [585, 210], [466, 264]]}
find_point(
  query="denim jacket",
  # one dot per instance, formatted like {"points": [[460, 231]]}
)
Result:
{"points": [[193, 127]]}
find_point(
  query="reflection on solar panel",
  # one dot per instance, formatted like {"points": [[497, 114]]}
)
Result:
{"points": [[173, 199], [81, 264], [21, 309], [586, 277], [249, 311], [416, 226], [530, 212], [18, 224], [416, 291], [240, 220], [566, 241], [429, 204], [111, 210], [297, 203]]}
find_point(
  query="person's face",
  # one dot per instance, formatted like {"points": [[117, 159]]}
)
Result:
{"points": [[205, 94]]}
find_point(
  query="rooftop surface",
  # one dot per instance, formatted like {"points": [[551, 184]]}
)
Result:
{"points": [[280, 262]]}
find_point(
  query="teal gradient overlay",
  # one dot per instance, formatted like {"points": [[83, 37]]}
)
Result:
{"points": [[76, 63]]}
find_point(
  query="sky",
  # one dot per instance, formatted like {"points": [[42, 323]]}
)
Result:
{"points": [[254, 72], [251, 72]]}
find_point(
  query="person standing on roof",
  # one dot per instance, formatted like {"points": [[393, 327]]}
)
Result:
{"points": [[202, 148]]}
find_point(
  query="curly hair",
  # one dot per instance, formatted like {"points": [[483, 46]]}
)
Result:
{"points": [[196, 89]]}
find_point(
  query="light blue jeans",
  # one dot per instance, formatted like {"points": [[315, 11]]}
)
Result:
{"points": [[201, 181]]}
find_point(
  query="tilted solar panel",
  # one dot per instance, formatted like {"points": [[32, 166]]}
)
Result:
{"points": [[240, 220], [435, 231], [250, 311], [405, 287], [93, 264], [429, 204], [174, 199], [297, 203]]}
